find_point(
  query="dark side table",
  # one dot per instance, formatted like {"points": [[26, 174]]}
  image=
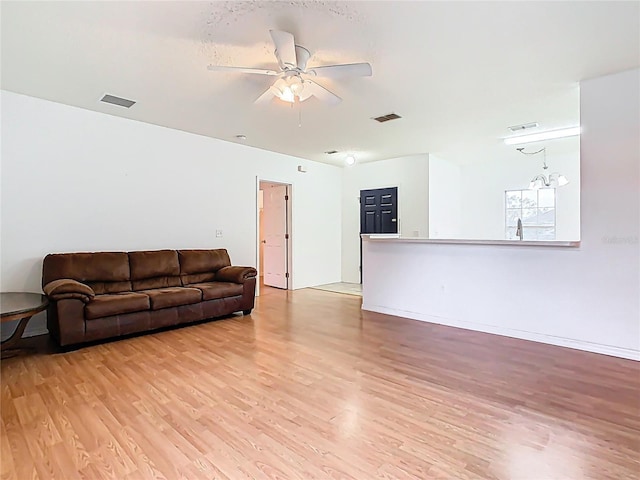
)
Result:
{"points": [[18, 306]]}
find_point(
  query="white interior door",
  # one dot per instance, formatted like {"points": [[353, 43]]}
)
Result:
{"points": [[274, 218]]}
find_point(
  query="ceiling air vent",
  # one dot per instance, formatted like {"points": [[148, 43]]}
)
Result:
{"points": [[121, 102], [331, 152], [386, 118]]}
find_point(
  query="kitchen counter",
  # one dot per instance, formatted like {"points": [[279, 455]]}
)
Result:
{"points": [[517, 243]]}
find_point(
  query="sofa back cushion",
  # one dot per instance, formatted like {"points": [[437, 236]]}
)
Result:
{"points": [[154, 269], [197, 266], [104, 272]]}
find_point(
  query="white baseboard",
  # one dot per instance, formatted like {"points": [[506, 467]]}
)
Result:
{"points": [[510, 332]]}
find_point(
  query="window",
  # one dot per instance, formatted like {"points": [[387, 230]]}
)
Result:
{"points": [[537, 211]]}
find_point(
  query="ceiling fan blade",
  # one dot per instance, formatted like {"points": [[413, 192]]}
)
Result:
{"points": [[257, 71], [285, 48], [339, 71], [320, 92], [266, 97]]}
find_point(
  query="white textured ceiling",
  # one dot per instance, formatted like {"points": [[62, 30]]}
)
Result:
{"points": [[458, 73]]}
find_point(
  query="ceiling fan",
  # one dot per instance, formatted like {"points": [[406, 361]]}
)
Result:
{"points": [[294, 82]]}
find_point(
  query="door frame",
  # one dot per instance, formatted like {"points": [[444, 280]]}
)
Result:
{"points": [[290, 228]]}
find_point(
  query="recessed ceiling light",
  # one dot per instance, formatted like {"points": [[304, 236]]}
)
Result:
{"points": [[241, 137], [350, 160]]}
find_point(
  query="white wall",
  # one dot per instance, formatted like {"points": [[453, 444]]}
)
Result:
{"points": [[483, 185], [411, 175], [445, 216], [76, 180], [586, 297]]}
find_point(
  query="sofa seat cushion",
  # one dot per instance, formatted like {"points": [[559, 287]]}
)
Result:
{"points": [[172, 297], [215, 290], [116, 304]]}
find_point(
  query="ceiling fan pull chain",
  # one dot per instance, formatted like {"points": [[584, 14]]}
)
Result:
{"points": [[299, 114]]}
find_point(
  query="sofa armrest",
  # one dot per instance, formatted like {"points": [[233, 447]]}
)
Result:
{"points": [[68, 288], [235, 274]]}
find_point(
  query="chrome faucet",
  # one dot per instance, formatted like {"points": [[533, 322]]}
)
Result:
{"points": [[519, 230]]}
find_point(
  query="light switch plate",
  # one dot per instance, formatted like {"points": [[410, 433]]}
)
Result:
{"points": [[218, 233]]}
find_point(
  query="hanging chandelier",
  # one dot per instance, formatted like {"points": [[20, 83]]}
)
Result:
{"points": [[554, 180]]}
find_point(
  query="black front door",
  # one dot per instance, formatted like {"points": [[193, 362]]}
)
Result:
{"points": [[378, 213], [379, 210]]}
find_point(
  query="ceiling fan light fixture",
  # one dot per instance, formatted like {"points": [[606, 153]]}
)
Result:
{"points": [[296, 85], [294, 82], [306, 93], [287, 95], [289, 88]]}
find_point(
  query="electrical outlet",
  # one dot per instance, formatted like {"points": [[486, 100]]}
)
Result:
{"points": [[218, 233]]}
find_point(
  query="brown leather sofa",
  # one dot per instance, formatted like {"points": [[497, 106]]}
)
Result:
{"points": [[108, 294]]}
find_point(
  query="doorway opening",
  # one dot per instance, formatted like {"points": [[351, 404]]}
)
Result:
{"points": [[378, 213], [274, 235]]}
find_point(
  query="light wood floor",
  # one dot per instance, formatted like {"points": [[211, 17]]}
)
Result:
{"points": [[309, 387]]}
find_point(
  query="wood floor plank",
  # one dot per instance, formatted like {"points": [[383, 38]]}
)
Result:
{"points": [[7, 467], [309, 386]]}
